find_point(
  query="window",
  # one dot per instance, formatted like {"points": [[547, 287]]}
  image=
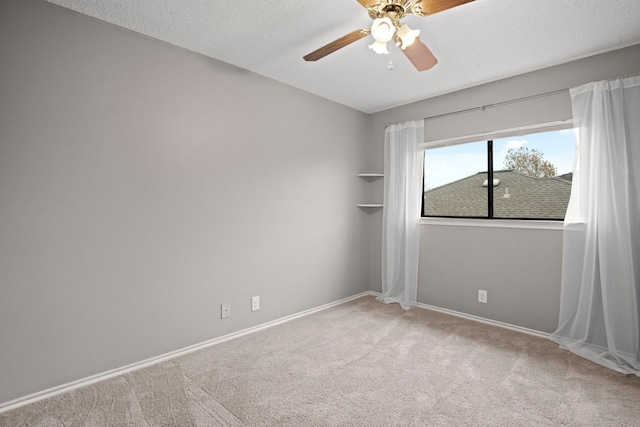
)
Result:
{"points": [[530, 177]]}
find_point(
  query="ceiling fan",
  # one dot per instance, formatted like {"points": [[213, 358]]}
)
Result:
{"points": [[386, 15]]}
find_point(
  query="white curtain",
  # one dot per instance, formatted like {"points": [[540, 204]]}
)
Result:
{"points": [[401, 216], [601, 255]]}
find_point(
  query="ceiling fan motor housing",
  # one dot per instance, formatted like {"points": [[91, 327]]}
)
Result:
{"points": [[393, 10]]}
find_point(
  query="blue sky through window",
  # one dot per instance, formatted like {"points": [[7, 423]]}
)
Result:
{"points": [[448, 164]]}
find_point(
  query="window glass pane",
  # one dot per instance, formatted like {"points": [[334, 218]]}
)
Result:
{"points": [[532, 175], [453, 178]]}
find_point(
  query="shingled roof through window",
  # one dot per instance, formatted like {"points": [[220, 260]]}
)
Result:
{"points": [[515, 196]]}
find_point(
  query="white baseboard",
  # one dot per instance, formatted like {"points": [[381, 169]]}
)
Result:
{"points": [[475, 318], [45, 394], [486, 321]]}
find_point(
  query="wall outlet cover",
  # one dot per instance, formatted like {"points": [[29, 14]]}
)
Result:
{"points": [[482, 296], [225, 310]]}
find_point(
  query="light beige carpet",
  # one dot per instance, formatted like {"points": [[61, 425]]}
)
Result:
{"points": [[362, 363]]}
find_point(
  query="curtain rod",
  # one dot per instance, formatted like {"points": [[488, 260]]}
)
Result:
{"points": [[497, 104]]}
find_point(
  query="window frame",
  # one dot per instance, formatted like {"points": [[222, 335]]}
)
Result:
{"points": [[551, 224]]}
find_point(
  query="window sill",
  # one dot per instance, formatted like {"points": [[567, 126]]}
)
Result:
{"points": [[495, 223]]}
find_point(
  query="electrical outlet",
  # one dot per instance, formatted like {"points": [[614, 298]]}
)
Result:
{"points": [[225, 310], [255, 303], [482, 296]]}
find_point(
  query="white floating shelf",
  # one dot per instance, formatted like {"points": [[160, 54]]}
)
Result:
{"points": [[367, 177]]}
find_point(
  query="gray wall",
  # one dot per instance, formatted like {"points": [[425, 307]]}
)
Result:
{"points": [[520, 268], [142, 185]]}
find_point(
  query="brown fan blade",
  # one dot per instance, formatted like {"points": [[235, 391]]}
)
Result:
{"points": [[336, 44], [429, 7], [420, 55], [369, 3]]}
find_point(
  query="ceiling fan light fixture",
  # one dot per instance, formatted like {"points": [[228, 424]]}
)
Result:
{"points": [[383, 29], [407, 36], [379, 47]]}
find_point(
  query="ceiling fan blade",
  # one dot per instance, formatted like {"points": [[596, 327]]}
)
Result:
{"points": [[369, 3], [429, 7], [336, 44], [420, 55]]}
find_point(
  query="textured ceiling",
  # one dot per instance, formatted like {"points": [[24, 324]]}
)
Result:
{"points": [[475, 43]]}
